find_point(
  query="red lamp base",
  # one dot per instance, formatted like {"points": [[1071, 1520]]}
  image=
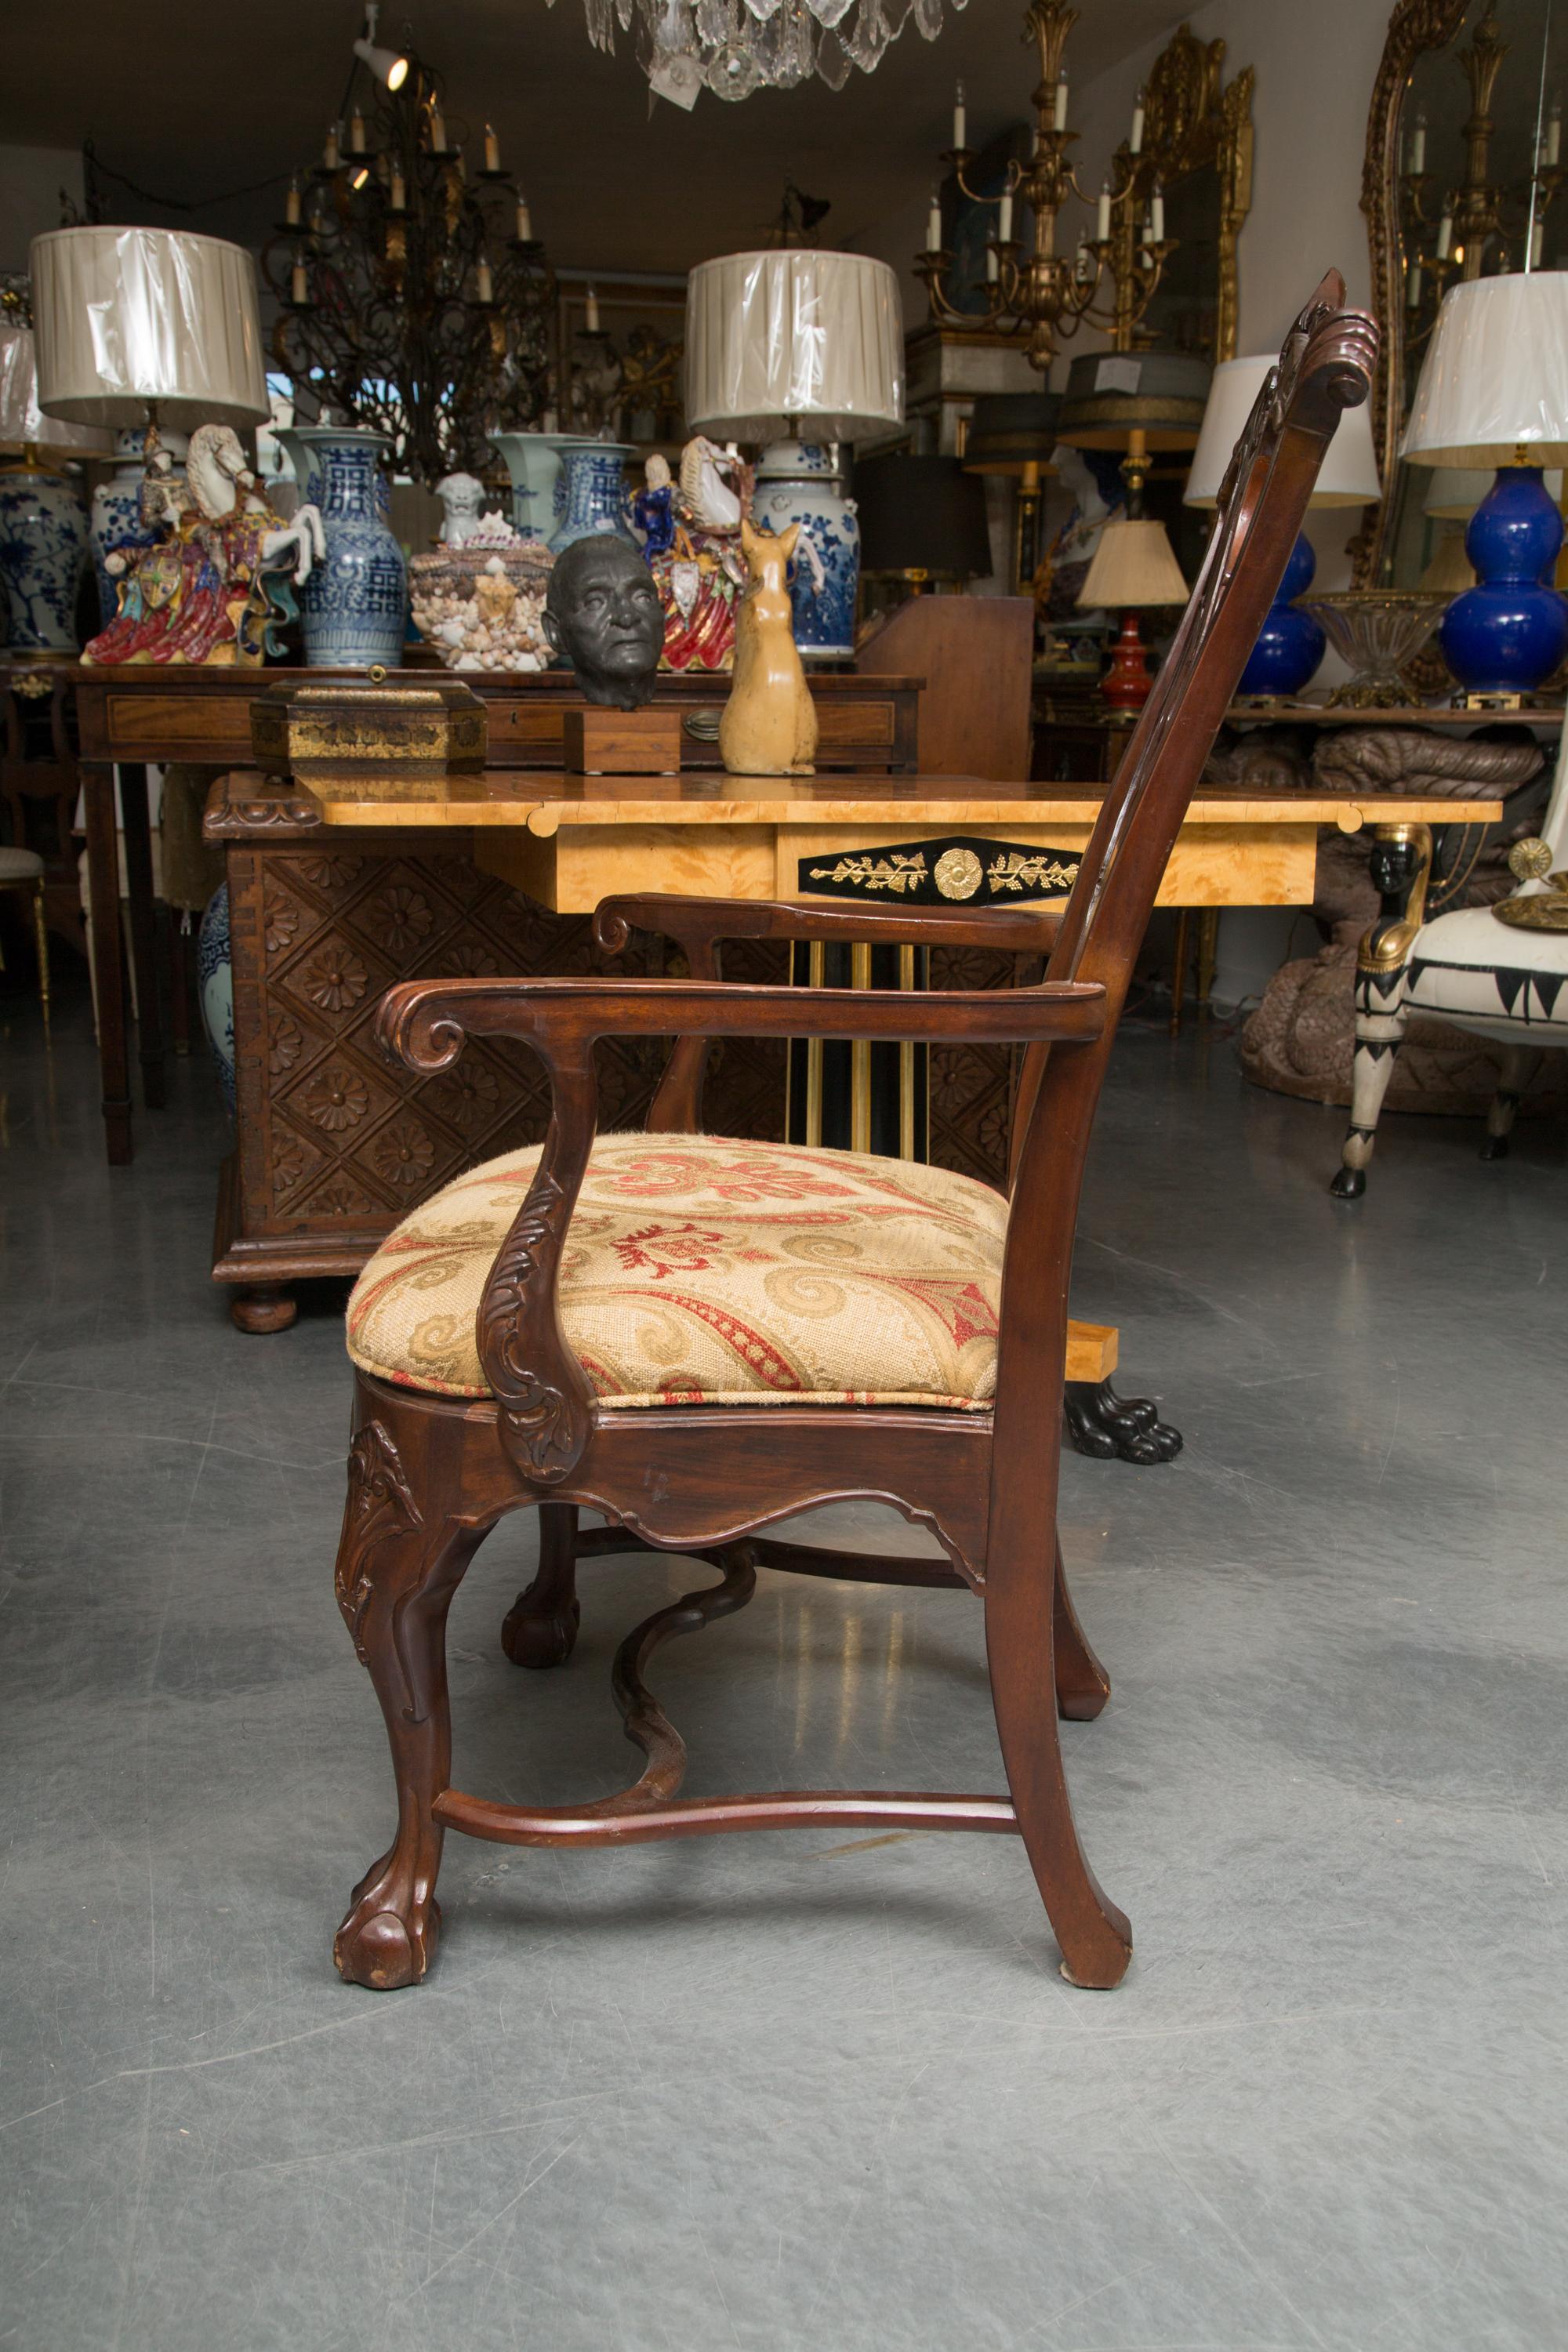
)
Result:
{"points": [[1126, 683]]}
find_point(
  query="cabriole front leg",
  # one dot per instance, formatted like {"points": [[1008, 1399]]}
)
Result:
{"points": [[400, 1560]]}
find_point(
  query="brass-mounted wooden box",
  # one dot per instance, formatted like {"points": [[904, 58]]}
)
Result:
{"points": [[373, 742]]}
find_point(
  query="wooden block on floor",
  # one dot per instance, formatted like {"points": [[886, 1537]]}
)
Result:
{"points": [[599, 742], [1091, 1351]]}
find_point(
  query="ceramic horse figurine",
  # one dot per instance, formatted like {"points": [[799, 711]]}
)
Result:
{"points": [[769, 726]]}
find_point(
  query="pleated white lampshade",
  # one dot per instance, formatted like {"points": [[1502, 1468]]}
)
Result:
{"points": [[22, 421], [1495, 379], [1349, 474], [132, 319], [794, 337], [1133, 565]]}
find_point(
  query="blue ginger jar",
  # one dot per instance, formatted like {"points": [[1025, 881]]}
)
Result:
{"points": [[354, 606], [592, 491], [43, 543], [801, 481]]}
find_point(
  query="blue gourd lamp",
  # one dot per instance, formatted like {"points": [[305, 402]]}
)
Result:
{"points": [[1494, 392], [1291, 643]]}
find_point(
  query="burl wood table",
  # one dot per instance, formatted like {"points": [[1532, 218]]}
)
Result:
{"points": [[133, 716], [333, 900]]}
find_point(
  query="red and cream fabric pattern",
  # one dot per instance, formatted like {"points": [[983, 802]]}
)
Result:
{"points": [[700, 1270]]}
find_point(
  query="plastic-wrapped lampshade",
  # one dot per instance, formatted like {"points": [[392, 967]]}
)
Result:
{"points": [[1133, 565], [1348, 477], [1495, 379], [794, 337], [22, 421], [133, 319]]}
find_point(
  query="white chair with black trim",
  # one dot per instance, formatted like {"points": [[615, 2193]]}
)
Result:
{"points": [[1498, 972]]}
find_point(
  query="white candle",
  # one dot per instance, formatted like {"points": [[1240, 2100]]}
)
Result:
{"points": [[437, 132], [933, 225], [399, 193], [291, 207], [299, 285], [1135, 145], [486, 283], [1412, 288], [1005, 220], [991, 265], [1157, 215], [1060, 118], [1102, 216], [1083, 264], [330, 151], [492, 150], [593, 307], [1555, 135], [1418, 146], [1444, 236], [524, 222], [1537, 238], [356, 133], [959, 119]]}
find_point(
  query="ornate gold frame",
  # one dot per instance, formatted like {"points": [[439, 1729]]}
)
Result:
{"points": [[1415, 27], [1192, 118]]}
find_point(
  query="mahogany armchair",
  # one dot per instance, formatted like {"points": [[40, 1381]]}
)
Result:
{"points": [[726, 1335]]}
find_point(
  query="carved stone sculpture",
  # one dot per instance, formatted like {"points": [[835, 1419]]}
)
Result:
{"points": [[602, 613]]}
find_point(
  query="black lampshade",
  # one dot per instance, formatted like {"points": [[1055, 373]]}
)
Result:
{"points": [[922, 514]]}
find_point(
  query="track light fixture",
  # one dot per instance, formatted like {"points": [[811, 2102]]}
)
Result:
{"points": [[389, 66]]}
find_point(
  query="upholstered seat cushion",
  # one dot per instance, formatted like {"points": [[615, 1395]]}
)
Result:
{"points": [[20, 865], [1509, 983], [702, 1270]]}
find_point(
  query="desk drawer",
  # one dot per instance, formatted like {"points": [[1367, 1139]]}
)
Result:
{"points": [[204, 727]]}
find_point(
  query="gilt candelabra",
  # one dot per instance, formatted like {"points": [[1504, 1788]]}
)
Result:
{"points": [[1039, 297]]}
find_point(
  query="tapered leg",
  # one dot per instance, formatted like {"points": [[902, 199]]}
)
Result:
{"points": [[401, 1558], [1082, 1684], [41, 939], [541, 1626], [1020, 1607], [1520, 1063], [1381, 1016], [143, 932]]}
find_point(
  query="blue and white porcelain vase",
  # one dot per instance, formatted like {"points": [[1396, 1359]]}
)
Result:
{"points": [[800, 481], [593, 497], [215, 989], [116, 517], [353, 607], [532, 461], [43, 543]]}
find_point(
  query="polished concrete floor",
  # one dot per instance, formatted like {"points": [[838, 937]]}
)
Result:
{"points": [[797, 2090]]}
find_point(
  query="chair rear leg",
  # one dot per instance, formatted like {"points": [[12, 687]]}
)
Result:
{"points": [[1020, 1606], [1518, 1066], [1379, 1034], [401, 1558], [1082, 1684], [541, 1626]]}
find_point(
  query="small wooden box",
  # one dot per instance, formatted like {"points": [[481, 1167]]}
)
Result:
{"points": [[370, 741], [599, 742]]}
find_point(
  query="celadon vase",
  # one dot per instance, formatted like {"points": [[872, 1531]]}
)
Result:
{"points": [[353, 607], [532, 461]]}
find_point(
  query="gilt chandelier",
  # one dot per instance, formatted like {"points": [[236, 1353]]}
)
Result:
{"points": [[735, 47]]}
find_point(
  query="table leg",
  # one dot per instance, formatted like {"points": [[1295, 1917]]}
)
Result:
{"points": [[1208, 952], [108, 958], [144, 932], [1109, 1427]]}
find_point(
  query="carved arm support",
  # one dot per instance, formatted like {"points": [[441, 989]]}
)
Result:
{"points": [[544, 1399], [698, 925]]}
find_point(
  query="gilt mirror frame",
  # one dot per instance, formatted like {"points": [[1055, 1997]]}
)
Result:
{"points": [[1195, 121], [1415, 27]]}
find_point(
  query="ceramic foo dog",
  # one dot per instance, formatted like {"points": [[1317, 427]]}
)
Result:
{"points": [[769, 726]]}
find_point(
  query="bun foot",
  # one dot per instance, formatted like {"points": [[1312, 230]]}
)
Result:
{"points": [[262, 1310], [387, 1943]]}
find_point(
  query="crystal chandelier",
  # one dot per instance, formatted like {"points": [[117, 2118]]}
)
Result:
{"points": [[1039, 297], [735, 47], [413, 296]]}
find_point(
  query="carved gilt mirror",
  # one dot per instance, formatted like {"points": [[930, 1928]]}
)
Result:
{"points": [[1464, 177], [1198, 150]]}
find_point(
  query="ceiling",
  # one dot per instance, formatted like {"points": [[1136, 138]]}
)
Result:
{"points": [[223, 97]]}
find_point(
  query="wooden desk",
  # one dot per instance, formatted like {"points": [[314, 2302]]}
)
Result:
{"points": [[131, 716]]}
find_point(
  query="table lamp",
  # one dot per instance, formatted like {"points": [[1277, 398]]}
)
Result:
{"points": [[1291, 643], [43, 517], [1015, 433], [1494, 393], [1132, 568], [147, 326], [808, 345], [923, 519]]}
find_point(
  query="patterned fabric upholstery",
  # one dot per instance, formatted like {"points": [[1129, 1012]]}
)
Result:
{"points": [[1509, 983], [702, 1270]]}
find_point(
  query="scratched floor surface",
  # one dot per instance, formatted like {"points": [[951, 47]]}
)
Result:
{"points": [[792, 2090]]}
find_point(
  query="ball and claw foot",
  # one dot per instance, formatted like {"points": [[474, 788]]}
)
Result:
{"points": [[1111, 1428], [389, 1937], [540, 1638]]}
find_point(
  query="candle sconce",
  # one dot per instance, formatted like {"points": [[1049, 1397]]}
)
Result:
{"points": [[1186, 120]]}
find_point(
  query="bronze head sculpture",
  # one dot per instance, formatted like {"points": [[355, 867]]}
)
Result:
{"points": [[602, 613]]}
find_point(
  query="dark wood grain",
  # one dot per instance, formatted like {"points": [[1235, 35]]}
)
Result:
{"points": [[428, 1475]]}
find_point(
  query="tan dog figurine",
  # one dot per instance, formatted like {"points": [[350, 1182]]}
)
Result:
{"points": [[769, 726]]}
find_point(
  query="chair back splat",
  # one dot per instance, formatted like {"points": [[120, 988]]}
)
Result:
{"points": [[739, 1332]]}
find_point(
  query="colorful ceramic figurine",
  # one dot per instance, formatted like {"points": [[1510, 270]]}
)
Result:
{"points": [[769, 726], [217, 575], [651, 509], [698, 570]]}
